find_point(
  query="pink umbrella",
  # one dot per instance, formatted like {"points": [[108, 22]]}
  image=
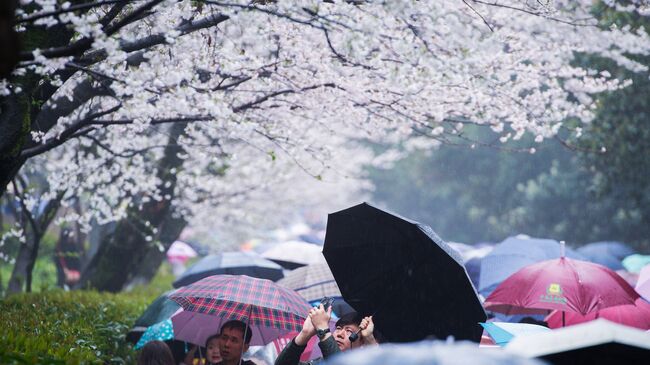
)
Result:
{"points": [[643, 284], [632, 315], [180, 251], [561, 284]]}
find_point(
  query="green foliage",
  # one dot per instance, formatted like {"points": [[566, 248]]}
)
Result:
{"points": [[473, 195], [44, 274], [77, 327], [486, 195], [160, 283], [599, 192]]}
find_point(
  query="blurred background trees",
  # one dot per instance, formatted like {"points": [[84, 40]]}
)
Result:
{"points": [[593, 188]]}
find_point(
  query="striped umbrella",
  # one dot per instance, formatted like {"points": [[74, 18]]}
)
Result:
{"points": [[269, 309], [312, 282]]}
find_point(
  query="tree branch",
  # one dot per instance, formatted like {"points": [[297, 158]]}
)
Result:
{"points": [[264, 98], [152, 40], [85, 43], [26, 213], [68, 10], [480, 15], [66, 134], [537, 13]]}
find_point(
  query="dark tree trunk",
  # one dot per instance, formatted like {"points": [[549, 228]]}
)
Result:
{"points": [[170, 230], [23, 264], [8, 38], [28, 252], [120, 254]]}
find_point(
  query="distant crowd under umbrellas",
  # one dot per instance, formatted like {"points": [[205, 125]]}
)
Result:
{"points": [[417, 288]]}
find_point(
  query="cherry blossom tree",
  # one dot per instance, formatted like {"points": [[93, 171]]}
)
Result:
{"points": [[207, 108]]}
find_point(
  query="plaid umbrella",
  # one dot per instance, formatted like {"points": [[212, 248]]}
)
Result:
{"points": [[269, 309], [312, 282]]}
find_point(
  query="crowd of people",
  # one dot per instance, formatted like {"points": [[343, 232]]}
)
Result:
{"points": [[233, 340]]}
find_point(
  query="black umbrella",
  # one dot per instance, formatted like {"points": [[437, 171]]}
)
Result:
{"points": [[159, 310], [231, 263], [402, 272]]}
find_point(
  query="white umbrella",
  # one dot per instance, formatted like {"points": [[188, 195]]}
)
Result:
{"points": [[294, 254], [585, 341]]}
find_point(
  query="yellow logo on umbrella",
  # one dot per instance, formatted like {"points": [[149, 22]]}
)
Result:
{"points": [[553, 295], [554, 289]]}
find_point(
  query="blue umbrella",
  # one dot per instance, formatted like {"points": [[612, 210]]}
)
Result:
{"points": [[231, 263], [606, 253], [160, 331], [634, 263], [513, 254], [428, 353], [503, 332]]}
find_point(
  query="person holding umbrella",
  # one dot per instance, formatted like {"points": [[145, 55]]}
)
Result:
{"points": [[349, 328], [228, 346]]}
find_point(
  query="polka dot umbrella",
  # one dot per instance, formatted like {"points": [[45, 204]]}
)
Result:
{"points": [[160, 331]]}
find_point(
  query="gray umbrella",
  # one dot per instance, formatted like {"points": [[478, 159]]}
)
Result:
{"points": [[430, 353], [231, 263]]}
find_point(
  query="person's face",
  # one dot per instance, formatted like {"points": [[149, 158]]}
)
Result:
{"points": [[231, 344], [342, 337], [212, 351]]}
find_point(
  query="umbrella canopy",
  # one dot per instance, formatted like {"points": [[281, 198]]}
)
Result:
{"points": [[630, 277], [180, 250], [636, 262], [643, 283], [428, 353], [606, 253], [312, 282], [563, 284], [469, 252], [159, 310], [504, 332], [294, 254], [160, 331], [633, 315], [269, 309], [401, 272], [231, 263], [514, 253], [473, 267], [595, 342]]}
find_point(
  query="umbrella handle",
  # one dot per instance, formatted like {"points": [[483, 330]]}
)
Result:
{"points": [[354, 336]]}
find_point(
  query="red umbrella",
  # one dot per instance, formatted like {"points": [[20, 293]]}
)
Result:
{"points": [[269, 309], [561, 284], [636, 315]]}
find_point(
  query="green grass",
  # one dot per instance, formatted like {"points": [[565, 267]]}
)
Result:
{"points": [[74, 327]]}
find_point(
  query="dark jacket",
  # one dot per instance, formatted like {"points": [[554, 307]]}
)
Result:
{"points": [[291, 353]]}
